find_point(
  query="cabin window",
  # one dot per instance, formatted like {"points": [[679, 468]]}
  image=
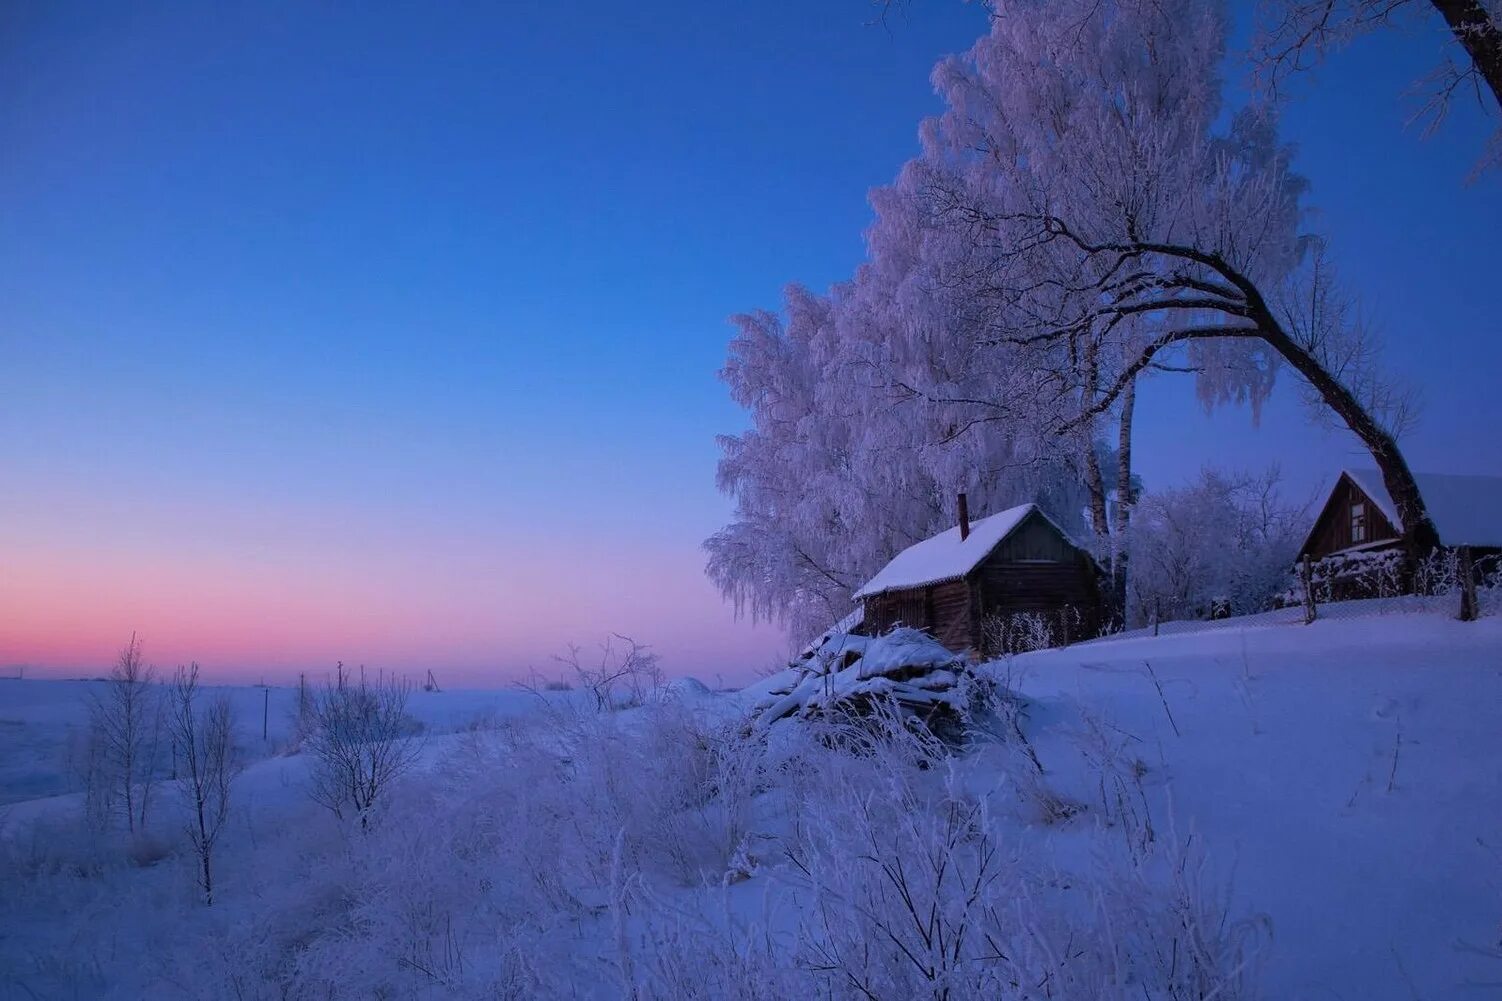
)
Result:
{"points": [[1358, 522]]}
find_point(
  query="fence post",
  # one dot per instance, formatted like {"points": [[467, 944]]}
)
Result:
{"points": [[1310, 612], [1467, 586]]}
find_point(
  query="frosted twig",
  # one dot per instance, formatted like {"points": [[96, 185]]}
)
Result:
{"points": [[1156, 684], [1396, 748]]}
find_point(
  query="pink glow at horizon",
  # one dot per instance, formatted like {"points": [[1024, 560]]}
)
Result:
{"points": [[480, 614]]}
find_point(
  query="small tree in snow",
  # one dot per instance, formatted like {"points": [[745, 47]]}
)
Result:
{"points": [[361, 741], [624, 665], [204, 744], [124, 743]]}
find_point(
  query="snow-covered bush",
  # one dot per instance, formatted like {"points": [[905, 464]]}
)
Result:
{"points": [[625, 673], [1370, 573], [666, 851], [1489, 589], [361, 741], [1018, 632], [910, 883], [1438, 573], [1225, 541]]}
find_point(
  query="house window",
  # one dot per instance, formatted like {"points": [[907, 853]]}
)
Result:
{"points": [[1358, 523]]}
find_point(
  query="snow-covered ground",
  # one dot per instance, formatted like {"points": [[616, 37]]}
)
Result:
{"points": [[1323, 802], [1347, 775]]}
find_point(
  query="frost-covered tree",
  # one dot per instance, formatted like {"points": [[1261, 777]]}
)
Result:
{"points": [[1117, 218], [362, 742], [1294, 35], [844, 464], [124, 737], [1084, 213], [1224, 540], [203, 738]]}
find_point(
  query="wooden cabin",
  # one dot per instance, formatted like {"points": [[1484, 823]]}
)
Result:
{"points": [[1359, 525], [952, 585]]}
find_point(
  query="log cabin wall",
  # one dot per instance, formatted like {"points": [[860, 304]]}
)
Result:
{"points": [[941, 609], [1035, 569], [1011, 587], [1035, 539], [952, 618], [1347, 513]]}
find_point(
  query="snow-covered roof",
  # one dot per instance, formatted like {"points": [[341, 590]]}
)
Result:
{"points": [[1466, 510], [946, 556]]}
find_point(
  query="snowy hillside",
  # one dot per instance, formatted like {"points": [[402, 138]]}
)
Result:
{"points": [[1347, 775], [1262, 809]]}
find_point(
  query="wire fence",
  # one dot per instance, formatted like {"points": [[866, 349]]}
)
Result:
{"points": [[1377, 588], [1451, 581], [1449, 604]]}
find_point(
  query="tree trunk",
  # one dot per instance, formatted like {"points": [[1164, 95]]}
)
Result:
{"points": [[1099, 522], [1479, 35], [1096, 484], [1124, 501], [1419, 535]]}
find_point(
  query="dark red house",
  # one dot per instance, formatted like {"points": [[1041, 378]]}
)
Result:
{"points": [[1358, 528], [1017, 561]]}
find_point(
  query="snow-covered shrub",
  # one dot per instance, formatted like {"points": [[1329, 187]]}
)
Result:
{"points": [[667, 851], [910, 883], [626, 673], [1017, 632], [1224, 541], [1438, 573], [1489, 588], [714, 956], [1370, 573], [361, 741]]}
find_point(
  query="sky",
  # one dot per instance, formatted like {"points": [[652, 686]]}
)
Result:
{"points": [[392, 337]]}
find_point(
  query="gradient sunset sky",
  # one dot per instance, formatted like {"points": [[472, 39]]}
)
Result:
{"points": [[390, 336]]}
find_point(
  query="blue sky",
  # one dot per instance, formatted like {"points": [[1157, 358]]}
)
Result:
{"points": [[393, 336]]}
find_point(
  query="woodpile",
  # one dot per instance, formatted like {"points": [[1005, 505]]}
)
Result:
{"points": [[844, 675]]}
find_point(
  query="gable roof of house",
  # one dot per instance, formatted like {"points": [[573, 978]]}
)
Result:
{"points": [[946, 556], [1466, 510]]}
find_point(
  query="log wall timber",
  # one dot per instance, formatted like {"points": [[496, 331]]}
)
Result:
{"points": [[1336, 528]]}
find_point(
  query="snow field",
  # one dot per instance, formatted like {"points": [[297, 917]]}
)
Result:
{"points": [[1262, 809]]}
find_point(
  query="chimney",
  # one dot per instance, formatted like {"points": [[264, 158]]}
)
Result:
{"points": [[964, 519]]}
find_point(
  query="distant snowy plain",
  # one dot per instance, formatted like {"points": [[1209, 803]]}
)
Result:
{"points": [[1332, 792]]}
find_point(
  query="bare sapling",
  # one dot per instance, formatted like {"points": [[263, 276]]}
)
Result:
{"points": [[361, 741], [204, 740], [624, 666], [124, 735]]}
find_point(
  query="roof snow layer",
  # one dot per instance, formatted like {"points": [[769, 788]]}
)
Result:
{"points": [[1466, 510], [946, 556]]}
